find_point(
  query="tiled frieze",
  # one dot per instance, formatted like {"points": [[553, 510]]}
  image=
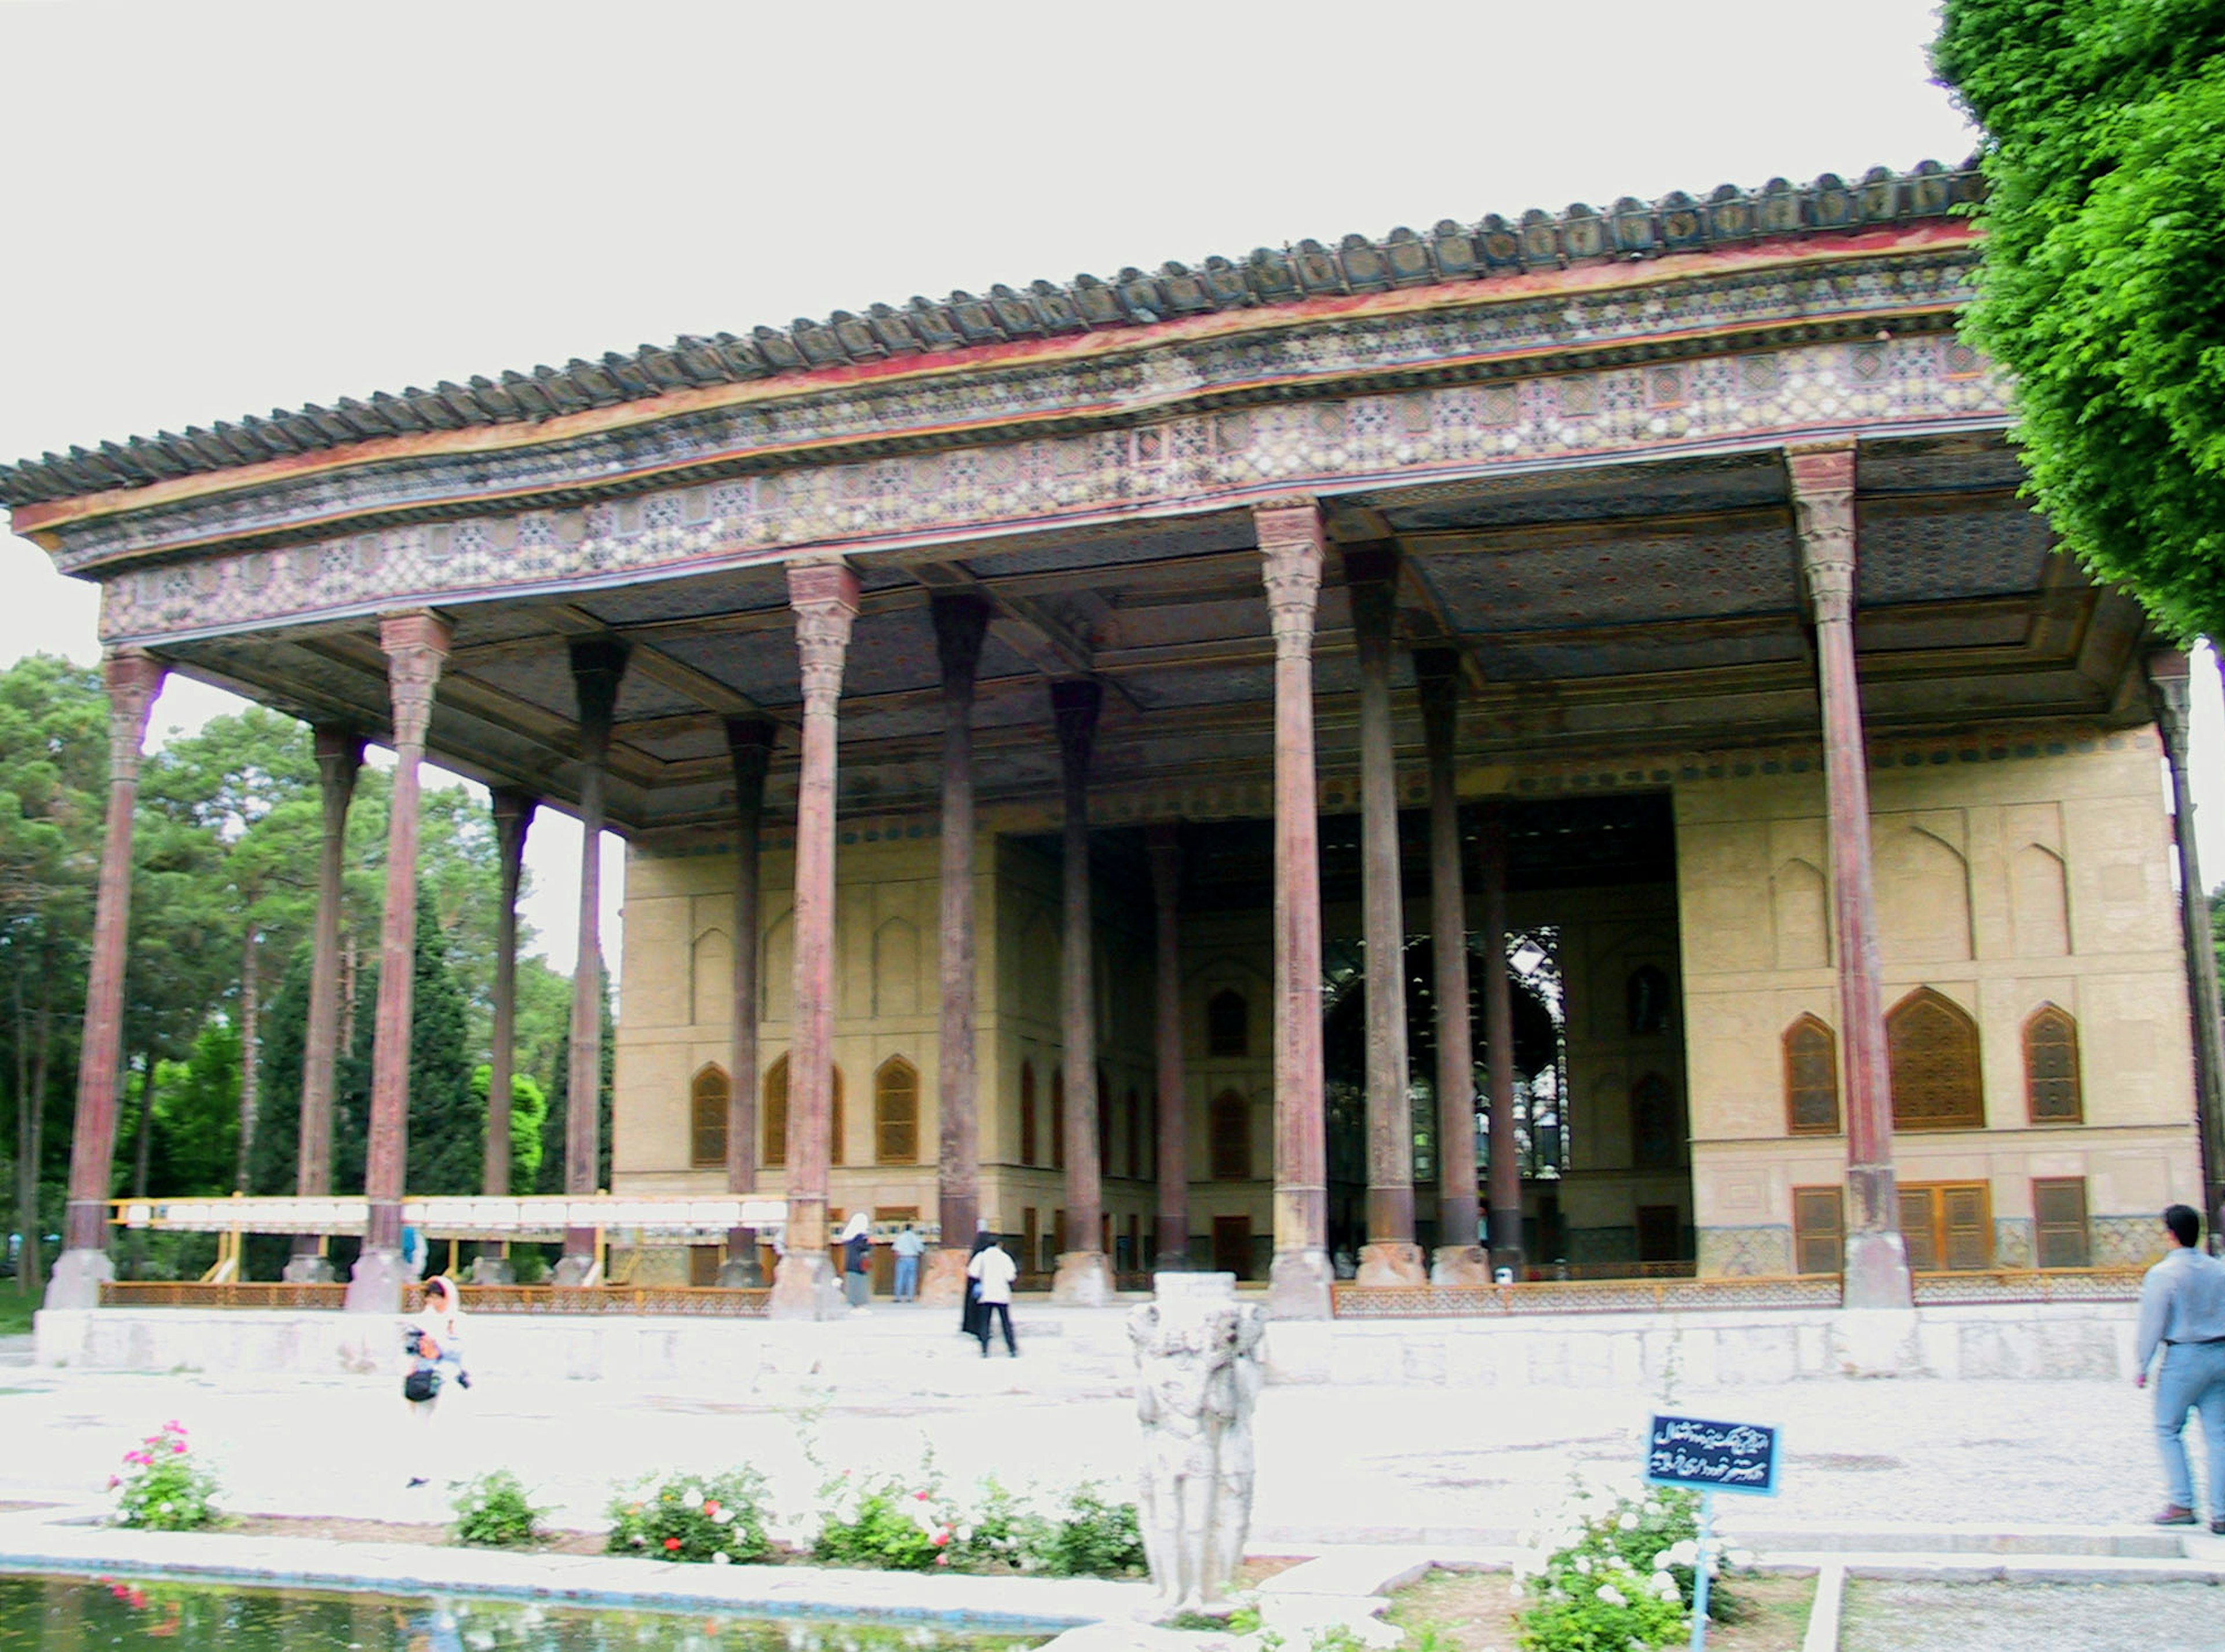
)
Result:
{"points": [[1189, 462], [1763, 1252]]}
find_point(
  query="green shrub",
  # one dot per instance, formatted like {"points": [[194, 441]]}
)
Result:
{"points": [[162, 1488], [493, 1512], [896, 1521], [1091, 1537], [1617, 1579], [718, 1518]]}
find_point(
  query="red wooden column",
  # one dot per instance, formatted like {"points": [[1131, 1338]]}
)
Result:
{"points": [[598, 667], [824, 596], [1290, 543], [2169, 697], [1505, 1227], [1823, 500], [339, 759], [134, 678], [749, 749], [1163, 845], [417, 644], [1458, 1259], [962, 621], [1085, 1276], [1390, 1256]]}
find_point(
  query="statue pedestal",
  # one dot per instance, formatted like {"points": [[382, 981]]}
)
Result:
{"points": [[1297, 1285], [494, 1270], [1084, 1278], [1391, 1264], [804, 1288], [309, 1269], [1460, 1264], [77, 1279], [375, 1287], [942, 1283]]}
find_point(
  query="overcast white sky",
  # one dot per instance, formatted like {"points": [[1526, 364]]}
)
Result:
{"points": [[212, 210]]}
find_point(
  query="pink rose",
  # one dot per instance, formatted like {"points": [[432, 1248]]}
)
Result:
{"points": [[671, 1543]]}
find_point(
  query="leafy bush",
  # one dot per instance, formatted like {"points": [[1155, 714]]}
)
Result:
{"points": [[899, 1523], [1620, 1578], [911, 1522], [493, 1512], [162, 1488], [718, 1518], [1090, 1537]]}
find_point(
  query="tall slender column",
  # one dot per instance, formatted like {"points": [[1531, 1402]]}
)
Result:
{"points": [[962, 621], [1390, 1256], [2168, 693], [1458, 1259], [1084, 1276], [134, 679], [749, 748], [825, 597], [1505, 1234], [415, 644], [513, 817], [1876, 1260], [339, 759], [598, 667], [1164, 845], [1290, 542]]}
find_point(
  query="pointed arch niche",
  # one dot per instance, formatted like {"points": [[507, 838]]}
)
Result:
{"points": [[774, 1111], [1931, 1044], [2052, 1093], [708, 1095]]}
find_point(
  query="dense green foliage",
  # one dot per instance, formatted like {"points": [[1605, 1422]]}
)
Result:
{"points": [[2103, 282], [496, 1511], [162, 1486], [714, 1518], [225, 855], [1621, 1578]]}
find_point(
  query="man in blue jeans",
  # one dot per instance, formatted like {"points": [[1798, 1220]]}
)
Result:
{"points": [[2183, 1310], [908, 1246]]}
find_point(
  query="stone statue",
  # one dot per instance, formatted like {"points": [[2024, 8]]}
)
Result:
{"points": [[1197, 1379]]}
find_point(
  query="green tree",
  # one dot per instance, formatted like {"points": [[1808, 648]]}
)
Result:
{"points": [[447, 1115], [529, 1107], [560, 1094], [2102, 286]]}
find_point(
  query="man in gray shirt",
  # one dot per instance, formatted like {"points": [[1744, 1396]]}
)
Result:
{"points": [[2183, 1309]]}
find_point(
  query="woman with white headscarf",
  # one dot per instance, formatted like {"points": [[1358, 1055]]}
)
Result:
{"points": [[857, 1255]]}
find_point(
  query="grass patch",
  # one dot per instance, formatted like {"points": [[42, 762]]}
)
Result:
{"points": [[16, 1310], [1474, 1611]]}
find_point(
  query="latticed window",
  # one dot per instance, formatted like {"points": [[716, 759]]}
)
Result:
{"points": [[895, 1113], [1818, 1229], [775, 1117], [2050, 1068], [1027, 1112], [1231, 1131], [1932, 1046], [1653, 1133], [708, 1100], [1811, 1079], [2058, 1209], [1227, 1025]]}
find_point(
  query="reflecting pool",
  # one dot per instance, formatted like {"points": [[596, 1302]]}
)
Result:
{"points": [[50, 1614]]}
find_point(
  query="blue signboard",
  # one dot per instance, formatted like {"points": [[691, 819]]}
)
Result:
{"points": [[1712, 1456]]}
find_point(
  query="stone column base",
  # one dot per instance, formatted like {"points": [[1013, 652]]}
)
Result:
{"points": [[1392, 1263], [77, 1278], [804, 1288], [376, 1285], [575, 1272], [741, 1273], [307, 1268], [1084, 1278], [942, 1282], [1878, 1342], [1460, 1264], [1877, 1272], [494, 1270], [1297, 1285]]}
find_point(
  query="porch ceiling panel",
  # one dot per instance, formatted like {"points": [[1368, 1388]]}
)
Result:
{"points": [[762, 666], [1935, 550], [1703, 573], [1546, 656], [1615, 493], [735, 591]]}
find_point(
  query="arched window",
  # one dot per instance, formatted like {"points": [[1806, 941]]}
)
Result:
{"points": [[1811, 1079], [1654, 1137], [2052, 1092], [1228, 1024], [1932, 1046], [1231, 1131], [1027, 1112], [775, 1117], [708, 1100], [1645, 995], [1135, 1134], [895, 1113], [1058, 1119]]}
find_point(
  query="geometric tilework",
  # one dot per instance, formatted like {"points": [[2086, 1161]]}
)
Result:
{"points": [[1764, 1252]]}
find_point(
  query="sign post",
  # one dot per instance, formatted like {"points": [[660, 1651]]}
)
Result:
{"points": [[1710, 1457]]}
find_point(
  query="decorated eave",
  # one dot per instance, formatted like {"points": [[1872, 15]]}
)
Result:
{"points": [[1451, 253]]}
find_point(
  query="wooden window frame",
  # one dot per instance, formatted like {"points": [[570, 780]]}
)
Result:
{"points": [[774, 1109], [1950, 1063], [707, 1137], [1810, 1237], [1809, 1027], [895, 1139], [2059, 1243], [2052, 1017], [1939, 1228], [1228, 1135]]}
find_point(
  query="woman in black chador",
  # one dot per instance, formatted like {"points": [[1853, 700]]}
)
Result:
{"points": [[969, 1309]]}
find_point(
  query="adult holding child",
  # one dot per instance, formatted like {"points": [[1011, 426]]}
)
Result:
{"points": [[433, 1356]]}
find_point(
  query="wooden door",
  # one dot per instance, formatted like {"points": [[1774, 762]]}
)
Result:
{"points": [[1948, 1226], [1818, 1229], [1232, 1245], [883, 1257]]}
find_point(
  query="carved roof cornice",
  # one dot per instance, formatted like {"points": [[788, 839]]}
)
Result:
{"points": [[1580, 249]]}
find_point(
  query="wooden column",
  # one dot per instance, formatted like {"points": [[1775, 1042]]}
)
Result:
{"points": [[1505, 1234], [1164, 845], [339, 760], [824, 597], [2168, 695], [598, 667], [415, 644], [1458, 1259], [1084, 1276], [133, 678], [749, 749], [961, 623], [1823, 500], [1390, 1256], [513, 819], [1291, 554]]}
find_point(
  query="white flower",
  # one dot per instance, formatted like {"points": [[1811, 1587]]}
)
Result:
{"points": [[724, 1516], [1684, 1553], [1612, 1596], [1629, 1521], [692, 1500], [719, 1557], [162, 1509], [1515, 1590], [1584, 1564]]}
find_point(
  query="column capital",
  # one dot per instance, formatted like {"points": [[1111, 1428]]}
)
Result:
{"points": [[416, 643], [961, 625], [1291, 546], [1074, 704], [2171, 699], [133, 677], [336, 744], [1823, 505], [512, 805], [824, 597]]}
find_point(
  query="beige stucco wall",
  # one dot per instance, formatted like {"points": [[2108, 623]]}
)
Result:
{"points": [[2019, 871]]}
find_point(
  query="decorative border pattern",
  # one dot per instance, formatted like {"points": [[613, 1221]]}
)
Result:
{"points": [[1191, 463]]}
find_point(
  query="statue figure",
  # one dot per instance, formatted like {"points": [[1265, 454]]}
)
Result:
{"points": [[1197, 1378]]}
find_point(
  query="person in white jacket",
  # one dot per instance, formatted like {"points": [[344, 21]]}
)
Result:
{"points": [[994, 1271]]}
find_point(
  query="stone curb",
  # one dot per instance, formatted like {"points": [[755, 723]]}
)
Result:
{"points": [[1825, 1610], [1895, 1568]]}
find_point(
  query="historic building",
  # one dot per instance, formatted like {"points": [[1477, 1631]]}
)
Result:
{"points": [[1563, 721]]}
